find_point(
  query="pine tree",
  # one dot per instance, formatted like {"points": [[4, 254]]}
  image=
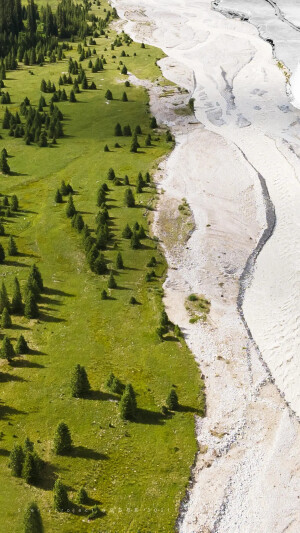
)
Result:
{"points": [[169, 137], [7, 351], [72, 96], [119, 261], [62, 439], [172, 400], [147, 177], [2, 231], [111, 174], [106, 148], [4, 300], [142, 233], [138, 130], [14, 203], [31, 309], [112, 284], [124, 97], [127, 405], [21, 346], [2, 255], [148, 140], [126, 180], [58, 197], [82, 496], [153, 123], [30, 471], [35, 275], [152, 262], [118, 130], [4, 166], [124, 70], [140, 183], [5, 319], [16, 460], [80, 385], [70, 209], [103, 295], [129, 198], [108, 95], [33, 520], [135, 241], [60, 497], [64, 188], [28, 445], [12, 247]]}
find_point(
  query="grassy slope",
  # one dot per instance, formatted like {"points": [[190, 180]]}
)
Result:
{"points": [[138, 472]]}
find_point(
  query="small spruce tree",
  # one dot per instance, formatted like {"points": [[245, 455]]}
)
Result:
{"points": [[124, 97], [112, 284], [172, 400], [129, 198], [16, 460], [70, 209], [5, 319], [58, 197], [62, 439], [2, 255], [119, 261], [60, 497], [82, 496], [7, 350], [12, 247], [31, 309], [21, 346], [80, 385]]}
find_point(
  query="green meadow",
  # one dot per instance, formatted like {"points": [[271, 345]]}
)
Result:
{"points": [[136, 472]]}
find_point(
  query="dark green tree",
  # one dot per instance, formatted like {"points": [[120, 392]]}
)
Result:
{"points": [[153, 123], [127, 232], [12, 247], [103, 295], [112, 284], [4, 166], [127, 405], [60, 497], [31, 309], [82, 496], [36, 276], [70, 209], [58, 197], [118, 130], [129, 198], [100, 266], [108, 95], [4, 300], [2, 255], [172, 400], [14, 203], [7, 350], [119, 261], [62, 439], [124, 97], [33, 520], [16, 460], [148, 140], [111, 174], [124, 70], [135, 241], [31, 468], [72, 96], [5, 319], [80, 385], [21, 346]]}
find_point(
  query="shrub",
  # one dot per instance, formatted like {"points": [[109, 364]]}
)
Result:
{"points": [[62, 439], [80, 385], [148, 140], [126, 180], [169, 137], [60, 497], [132, 300], [33, 520], [172, 400]]}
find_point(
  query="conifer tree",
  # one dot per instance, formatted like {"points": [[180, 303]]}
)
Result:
{"points": [[28, 445], [169, 137], [70, 209], [33, 520], [124, 70], [111, 174], [129, 198], [2, 231], [138, 130], [12, 247], [64, 188], [7, 351], [62, 439], [58, 197], [60, 497], [124, 97], [4, 166], [112, 284], [14, 203], [2, 255], [5, 319], [80, 385], [82, 496], [153, 123], [135, 241], [16, 460], [31, 309], [103, 295], [72, 96], [147, 177], [30, 471], [118, 130], [35, 275], [119, 261], [4, 300], [21, 346], [127, 405], [172, 400], [108, 95], [126, 180], [148, 140]]}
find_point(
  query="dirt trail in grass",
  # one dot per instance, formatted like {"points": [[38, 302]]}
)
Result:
{"points": [[247, 475]]}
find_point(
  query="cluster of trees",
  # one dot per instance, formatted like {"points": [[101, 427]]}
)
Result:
{"points": [[165, 326], [128, 404], [8, 205], [26, 463], [38, 125]]}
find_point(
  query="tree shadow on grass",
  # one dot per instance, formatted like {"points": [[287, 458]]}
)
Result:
{"points": [[19, 328], [4, 453], [24, 363], [188, 409], [50, 318], [36, 352], [15, 263], [171, 338], [87, 453], [6, 412], [145, 416], [102, 396], [49, 475], [57, 292], [53, 301], [5, 378]]}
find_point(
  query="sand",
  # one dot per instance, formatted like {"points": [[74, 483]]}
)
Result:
{"points": [[236, 163]]}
